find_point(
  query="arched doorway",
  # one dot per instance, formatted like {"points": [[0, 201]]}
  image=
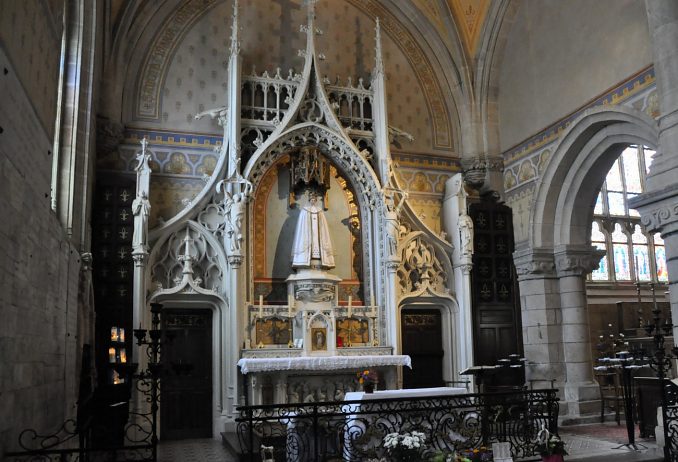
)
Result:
{"points": [[186, 404], [422, 340]]}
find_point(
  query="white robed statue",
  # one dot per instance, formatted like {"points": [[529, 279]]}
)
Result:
{"points": [[312, 237]]}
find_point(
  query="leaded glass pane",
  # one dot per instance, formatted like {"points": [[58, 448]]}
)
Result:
{"points": [[657, 238], [632, 212], [638, 237], [601, 273], [618, 235], [616, 203], [631, 170], [598, 210], [649, 153], [660, 258], [596, 233], [613, 180], [641, 259], [622, 269]]}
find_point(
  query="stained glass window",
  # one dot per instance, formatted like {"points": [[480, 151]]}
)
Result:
{"points": [[598, 241], [632, 255]]}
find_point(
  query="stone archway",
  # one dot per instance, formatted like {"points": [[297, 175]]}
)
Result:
{"points": [[552, 267]]}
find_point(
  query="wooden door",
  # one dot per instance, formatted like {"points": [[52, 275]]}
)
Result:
{"points": [[186, 400], [422, 340], [497, 329]]}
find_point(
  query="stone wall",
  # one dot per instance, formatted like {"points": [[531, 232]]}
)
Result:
{"points": [[559, 55], [39, 267]]}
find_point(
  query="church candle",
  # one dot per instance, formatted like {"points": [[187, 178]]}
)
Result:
{"points": [[350, 310], [289, 305], [261, 306], [637, 277]]}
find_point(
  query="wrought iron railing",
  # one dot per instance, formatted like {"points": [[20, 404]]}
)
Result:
{"points": [[354, 430]]}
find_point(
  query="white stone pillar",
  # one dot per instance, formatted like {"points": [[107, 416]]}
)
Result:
{"points": [[455, 206]]}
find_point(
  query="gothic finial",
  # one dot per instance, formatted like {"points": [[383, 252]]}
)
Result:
{"points": [[379, 63], [143, 157], [235, 43]]}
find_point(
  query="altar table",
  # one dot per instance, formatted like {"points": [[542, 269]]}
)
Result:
{"points": [[321, 363]]}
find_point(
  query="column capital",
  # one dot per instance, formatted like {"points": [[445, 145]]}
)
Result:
{"points": [[658, 210], [235, 260], [537, 263], [577, 260]]}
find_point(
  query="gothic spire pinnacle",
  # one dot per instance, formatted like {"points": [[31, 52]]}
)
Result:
{"points": [[378, 60], [235, 43]]}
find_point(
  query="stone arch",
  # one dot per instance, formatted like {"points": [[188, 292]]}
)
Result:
{"points": [[565, 193]]}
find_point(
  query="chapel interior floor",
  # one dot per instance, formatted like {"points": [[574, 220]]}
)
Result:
{"points": [[585, 443]]}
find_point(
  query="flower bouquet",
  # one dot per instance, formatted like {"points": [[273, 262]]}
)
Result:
{"points": [[550, 446], [481, 454], [367, 379], [405, 446]]}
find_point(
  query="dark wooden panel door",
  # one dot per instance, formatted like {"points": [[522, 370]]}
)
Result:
{"points": [[186, 401], [496, 309], [422, 340]]}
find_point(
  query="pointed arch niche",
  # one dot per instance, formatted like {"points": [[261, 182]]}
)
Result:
{"points": [[273, 223]]}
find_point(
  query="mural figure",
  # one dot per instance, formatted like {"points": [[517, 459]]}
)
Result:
{"points": [[141, 208], [312, 237]]}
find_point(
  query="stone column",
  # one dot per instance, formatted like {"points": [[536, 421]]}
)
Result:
{"points": [[573, 263], [541, 317], [658, 206]]}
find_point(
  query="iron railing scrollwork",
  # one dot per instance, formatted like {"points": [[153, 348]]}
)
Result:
{"points": [[354, 430], [91, 437]]}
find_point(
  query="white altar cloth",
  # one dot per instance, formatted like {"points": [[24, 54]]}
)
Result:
{"points": [[406, 393], [321, 363]]}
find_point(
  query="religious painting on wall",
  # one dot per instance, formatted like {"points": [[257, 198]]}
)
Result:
{"points": [[273, 331], [319, 339]]}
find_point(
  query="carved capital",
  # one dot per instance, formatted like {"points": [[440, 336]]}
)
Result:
{"points": [[534, 263], [655, 220], [235, 260], [139, 256], [577, 261], [86, 259]]}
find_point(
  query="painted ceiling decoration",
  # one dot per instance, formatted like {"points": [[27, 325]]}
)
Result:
{"points": [[469, 16], [167, 40]]}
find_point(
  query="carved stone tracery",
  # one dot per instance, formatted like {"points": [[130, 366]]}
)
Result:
{"points": [[420, 268]]}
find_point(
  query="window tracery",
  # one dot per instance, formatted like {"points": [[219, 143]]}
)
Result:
{"points": [[632, 254]]}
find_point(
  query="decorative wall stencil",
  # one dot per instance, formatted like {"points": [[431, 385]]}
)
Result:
{"points": [[167, 269], [636, 92], [526, 171]]}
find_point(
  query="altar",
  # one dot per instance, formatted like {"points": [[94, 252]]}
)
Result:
{"points": [[303, 379]]}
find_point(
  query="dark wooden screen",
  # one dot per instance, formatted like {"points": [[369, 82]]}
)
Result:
{"points": [[422, 341], [496, 311], [186, 403], [113, 269]]}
